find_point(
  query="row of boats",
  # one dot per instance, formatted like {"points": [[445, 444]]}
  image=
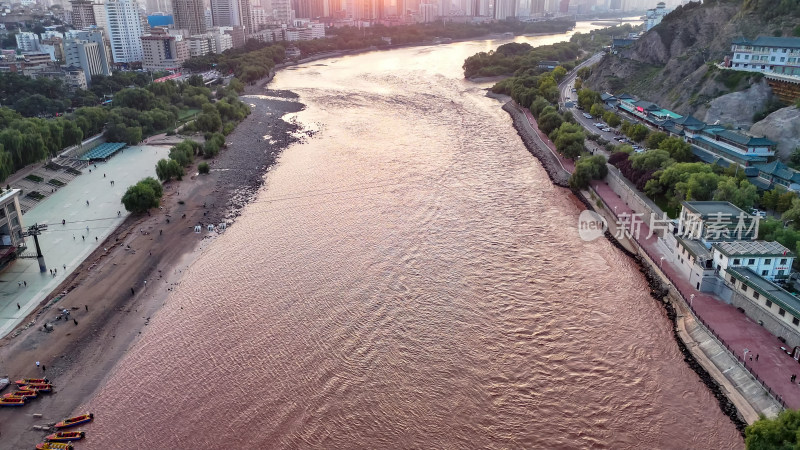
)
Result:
{"points": [[30, 388], [27, 389]]}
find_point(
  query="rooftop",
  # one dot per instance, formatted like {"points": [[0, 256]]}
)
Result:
{"points": [[780, 170], [767, 288], [770, 41], [649, 106], [706, 209], [9, 194], [744, 139], [749, 157], [695, 248], [688, 121], [752, 248]]}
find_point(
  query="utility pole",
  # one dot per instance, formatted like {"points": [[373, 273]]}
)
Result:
{"points": [[35, 230]]}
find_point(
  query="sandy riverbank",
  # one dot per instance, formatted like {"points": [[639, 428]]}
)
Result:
{"points": [[77, 357]]}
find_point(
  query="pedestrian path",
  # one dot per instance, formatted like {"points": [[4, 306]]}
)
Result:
{"points": [[735, 330], [65, 246]]}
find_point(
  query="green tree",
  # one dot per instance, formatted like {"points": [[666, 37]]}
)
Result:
{"points": [[699, 186], [638, 132], [569, 139], [537, 105], [587, 98], [143, 195], [559, 73], [781, 432], [167, 169], [769, 199], [611, 119], [651, 160], [549, 122], [597, 110], [654, 139], [785, 201], [679, 150], [203, 168], [741, 193], [586, 169]]}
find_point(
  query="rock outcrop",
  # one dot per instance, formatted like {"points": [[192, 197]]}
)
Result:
{"points": [[673, 63], [737, 109], [783, 127]]}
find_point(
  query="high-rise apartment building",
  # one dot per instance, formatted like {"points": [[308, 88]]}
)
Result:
{"points": [[231, 13], [283, 11], [87, 51], [504, 9], [189, 15], [125, 30], [82, 14]]}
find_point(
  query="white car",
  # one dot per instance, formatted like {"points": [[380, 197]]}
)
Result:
{"points": [[587, 115], [599, 125], [607, 130], [758, 212]]}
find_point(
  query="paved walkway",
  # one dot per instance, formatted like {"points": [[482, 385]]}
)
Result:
{"points": [[774, 367], [69, 244]]}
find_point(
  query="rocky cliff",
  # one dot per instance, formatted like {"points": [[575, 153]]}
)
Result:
{"points": [[738, 108], [783, 127], [672, 64]]}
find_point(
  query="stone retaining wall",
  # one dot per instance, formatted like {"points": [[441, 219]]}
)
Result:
{"points": [[557, 175]]}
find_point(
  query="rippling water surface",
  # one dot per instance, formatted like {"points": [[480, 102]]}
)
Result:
{"points": [[409, 278]]}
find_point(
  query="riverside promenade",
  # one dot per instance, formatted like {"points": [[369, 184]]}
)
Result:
{"points": [[65, 246], [729, 331]]}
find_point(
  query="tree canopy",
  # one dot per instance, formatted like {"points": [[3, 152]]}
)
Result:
{"points": [[143, 195]]}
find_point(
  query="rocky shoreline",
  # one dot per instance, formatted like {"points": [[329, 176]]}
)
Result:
{"points": [[658, 290], [550, 163], [158, 247]]}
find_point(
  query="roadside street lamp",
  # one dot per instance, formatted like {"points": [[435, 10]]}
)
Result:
{"points": [[691, 301], [662, 262], [615, 210]]}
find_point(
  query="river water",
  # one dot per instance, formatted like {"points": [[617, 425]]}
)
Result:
{"points": [[409, 278]]}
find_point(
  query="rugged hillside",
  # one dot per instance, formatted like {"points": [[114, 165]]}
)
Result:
{"points": [[672, 64], [783, 127], [737, 108]]}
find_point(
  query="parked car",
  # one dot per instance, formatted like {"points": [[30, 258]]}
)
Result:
{"points": [[758, 212], [587, 115], [599, 125], [607, 130], [640, 150]]}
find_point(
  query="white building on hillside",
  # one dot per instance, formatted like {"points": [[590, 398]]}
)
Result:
{"points": [[655, 15], [766, 54]]}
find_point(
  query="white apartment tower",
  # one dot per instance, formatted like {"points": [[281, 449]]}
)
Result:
{"points": [[125, 31]]}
